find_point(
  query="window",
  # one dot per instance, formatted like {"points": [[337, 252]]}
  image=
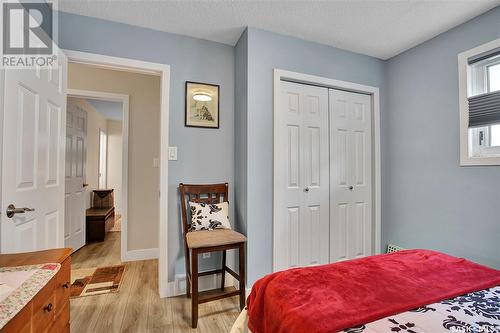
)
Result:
{"points": [[479, 92], [493, 77], [495, 135]]}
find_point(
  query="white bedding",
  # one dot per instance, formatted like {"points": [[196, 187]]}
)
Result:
{"points": [[475, 312]]}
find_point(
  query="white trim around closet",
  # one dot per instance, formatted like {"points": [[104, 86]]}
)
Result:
{"points": [[284, 75]]}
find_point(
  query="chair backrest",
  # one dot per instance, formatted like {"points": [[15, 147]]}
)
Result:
{"points": [[207, 193]]}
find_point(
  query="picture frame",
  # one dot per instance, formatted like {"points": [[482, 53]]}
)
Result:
{"points": [[202, 105]]}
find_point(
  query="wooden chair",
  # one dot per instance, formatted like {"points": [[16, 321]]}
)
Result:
{"points": [[198, 242]]}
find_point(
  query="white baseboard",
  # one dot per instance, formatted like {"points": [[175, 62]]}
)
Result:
{"points": [[206, 282], [143, 254]]}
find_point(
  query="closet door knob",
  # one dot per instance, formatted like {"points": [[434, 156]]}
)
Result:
{"points": [[351, 187], [306, 189]]}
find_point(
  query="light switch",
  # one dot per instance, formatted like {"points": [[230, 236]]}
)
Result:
{"points": [[156, 162], [172, 153]]}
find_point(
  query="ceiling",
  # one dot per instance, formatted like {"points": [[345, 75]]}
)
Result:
{"points": [[379, 28], [109, 110]]}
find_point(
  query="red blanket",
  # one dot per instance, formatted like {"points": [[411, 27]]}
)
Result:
{"points": [[334, 297]]}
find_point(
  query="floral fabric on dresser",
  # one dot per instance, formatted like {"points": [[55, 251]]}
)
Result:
{"points": [[15, 296], [477, 312]]}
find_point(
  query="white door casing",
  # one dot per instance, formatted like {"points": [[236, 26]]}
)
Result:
{"points": [[75, 176], [103, 159], [302, 201], [350, 175], [33, 157]]}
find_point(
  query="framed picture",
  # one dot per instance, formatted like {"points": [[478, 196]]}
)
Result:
{"points": [[202, 105]]}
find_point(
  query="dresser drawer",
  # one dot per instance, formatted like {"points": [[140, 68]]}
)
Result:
{"points": [[44, 307], [61, 320], [63, 285], [49, 309]]}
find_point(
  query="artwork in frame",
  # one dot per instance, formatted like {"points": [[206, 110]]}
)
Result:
{"points": [[202, 105]]}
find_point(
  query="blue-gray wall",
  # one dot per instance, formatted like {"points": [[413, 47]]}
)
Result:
{"points": [[429, 200], [266, 51], [204, 155]]}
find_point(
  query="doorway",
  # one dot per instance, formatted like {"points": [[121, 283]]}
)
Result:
{"points": [[98, 123], [326, 138], [35, 183], [163, 72]]}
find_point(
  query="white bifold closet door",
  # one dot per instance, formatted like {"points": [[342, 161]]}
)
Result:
{"points": [[301, 233], [350, 175]]}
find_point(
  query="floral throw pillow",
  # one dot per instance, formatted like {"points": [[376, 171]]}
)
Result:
{"points": [[209, 216]]}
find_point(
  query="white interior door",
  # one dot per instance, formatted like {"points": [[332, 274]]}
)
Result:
{"points": [[75, 192], [350, 175], [301, 216], [33, 158]]}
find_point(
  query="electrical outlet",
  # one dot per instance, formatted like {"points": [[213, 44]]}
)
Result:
{"points": [[206, 255]]}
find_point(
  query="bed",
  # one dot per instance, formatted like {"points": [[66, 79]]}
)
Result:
{"points": [[409, 291]]}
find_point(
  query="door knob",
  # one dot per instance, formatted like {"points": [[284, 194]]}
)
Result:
{"points": [[12, 210], [351, 187], [306, 189]]}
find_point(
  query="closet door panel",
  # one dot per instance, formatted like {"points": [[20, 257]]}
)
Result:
{"points": [[350, 174], [302, 207]]}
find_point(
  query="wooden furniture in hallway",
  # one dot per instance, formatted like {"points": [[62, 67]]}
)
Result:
{"points": [[100, 218], [49, 310], [198, 242]]}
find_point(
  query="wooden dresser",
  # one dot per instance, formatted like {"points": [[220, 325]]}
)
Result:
{"points": [[48, 311]]}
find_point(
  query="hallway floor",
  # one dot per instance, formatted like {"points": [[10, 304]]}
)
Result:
{"points": [[137, 306]]}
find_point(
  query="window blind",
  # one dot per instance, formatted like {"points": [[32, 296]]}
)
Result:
{"points": [[483, 56], [484, 109]]}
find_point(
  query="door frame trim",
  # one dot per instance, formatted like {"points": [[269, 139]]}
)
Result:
{"points": [[124, 99], [2, 106], [285, 75], [163, 71]]}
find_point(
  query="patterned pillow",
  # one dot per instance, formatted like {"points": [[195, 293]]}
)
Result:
{"points": [[209, 216]]}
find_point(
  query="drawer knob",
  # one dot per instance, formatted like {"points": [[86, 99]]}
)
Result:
{"points": [[48, 307], [66, 285]]}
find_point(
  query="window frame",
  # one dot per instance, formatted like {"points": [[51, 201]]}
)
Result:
{"points": [[484, 150], [469, 154]]}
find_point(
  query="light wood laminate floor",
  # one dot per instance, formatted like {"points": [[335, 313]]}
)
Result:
{"points": [[137, 306]]}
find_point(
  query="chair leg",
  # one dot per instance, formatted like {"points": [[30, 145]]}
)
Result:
{"points": [[194, 286], [242, 275], [223, 278], [188, 272]]}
